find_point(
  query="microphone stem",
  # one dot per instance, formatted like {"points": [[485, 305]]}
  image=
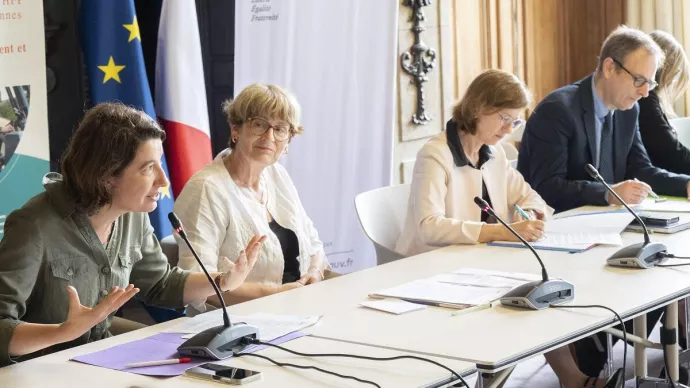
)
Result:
{"points": [[644, 227], [226, 317], [544, 275]]}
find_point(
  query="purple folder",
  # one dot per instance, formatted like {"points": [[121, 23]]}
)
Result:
{"points": [[161, 346]]}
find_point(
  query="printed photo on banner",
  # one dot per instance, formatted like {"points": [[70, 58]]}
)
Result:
{"points": [[14, 110]]}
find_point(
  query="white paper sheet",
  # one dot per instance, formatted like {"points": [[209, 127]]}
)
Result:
{"points": [[668, 206], [431, 291], [393, 306], [270, 326], [485, 278]]}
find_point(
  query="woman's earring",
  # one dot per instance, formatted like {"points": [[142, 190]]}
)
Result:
{"points": [[234, 139], [286, 150]]}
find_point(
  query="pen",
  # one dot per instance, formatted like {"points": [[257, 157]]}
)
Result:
{"points": [[654, 195], [182, 360], [521, 212], [479, 307]]}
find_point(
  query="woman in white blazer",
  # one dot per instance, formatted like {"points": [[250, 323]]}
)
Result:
{"points": [[465, 162], [244, 192]]}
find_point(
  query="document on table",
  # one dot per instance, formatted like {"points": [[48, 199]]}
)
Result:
{"points": [[271, 326], [674, 206], [431, 291], [579, 233], [393, 306], [485, 278]]}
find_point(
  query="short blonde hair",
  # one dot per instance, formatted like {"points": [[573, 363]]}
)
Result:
{"points": [[625, 40], [674, 75], [492, 90], [263, 100]]}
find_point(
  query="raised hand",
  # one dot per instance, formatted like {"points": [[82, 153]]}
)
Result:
{"points": [[238, 271], [81, 319]]}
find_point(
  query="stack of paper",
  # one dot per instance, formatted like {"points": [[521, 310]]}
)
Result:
{"points": [[579, 232], [459, 289]]}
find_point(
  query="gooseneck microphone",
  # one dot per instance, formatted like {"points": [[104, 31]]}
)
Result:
{"points": [[218, 342], [538, 294], [640, 255]]}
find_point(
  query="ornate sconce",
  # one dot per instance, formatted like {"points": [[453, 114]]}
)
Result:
{"points": [[419, 60]]}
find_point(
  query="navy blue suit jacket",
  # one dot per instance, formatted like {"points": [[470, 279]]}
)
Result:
{"points": [[560, 140]]}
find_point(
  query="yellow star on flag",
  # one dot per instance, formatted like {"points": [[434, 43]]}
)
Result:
{"points": [[111, 71], [133, 30], [165, 191]]}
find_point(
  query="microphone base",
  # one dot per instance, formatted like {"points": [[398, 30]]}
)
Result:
{"points": [[539, 294], [639, 255], [218, 342]]}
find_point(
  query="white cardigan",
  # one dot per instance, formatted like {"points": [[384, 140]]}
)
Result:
{"points": [[441, 209], [220, 218]]}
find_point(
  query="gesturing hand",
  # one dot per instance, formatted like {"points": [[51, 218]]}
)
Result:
{"points": [[238, 271], [81, 318]]}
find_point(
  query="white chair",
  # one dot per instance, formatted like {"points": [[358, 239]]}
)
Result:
{"points": [[382, 213], [682, 126], [511, 152]]}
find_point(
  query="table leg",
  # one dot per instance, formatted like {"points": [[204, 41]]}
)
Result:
{"points": [[640, 330], [671, 325]]}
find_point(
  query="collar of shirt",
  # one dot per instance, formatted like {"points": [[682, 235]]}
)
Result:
{"points": [[57, 194], [600, 109], [459, 157]]}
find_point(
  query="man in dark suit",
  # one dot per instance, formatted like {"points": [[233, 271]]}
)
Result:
{"points": [[594, 121]]}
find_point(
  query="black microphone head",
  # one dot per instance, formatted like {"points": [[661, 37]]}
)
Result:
{"points": [[174, 221], [481, 203], [592, 171]]}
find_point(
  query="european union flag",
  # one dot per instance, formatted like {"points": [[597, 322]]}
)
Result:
{"points": [[115, 64]]}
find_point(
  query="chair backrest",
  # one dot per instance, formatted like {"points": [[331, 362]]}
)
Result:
{"points": [[682, 126], [382, 215], [511, 152], [170, 249], [509, 149]]}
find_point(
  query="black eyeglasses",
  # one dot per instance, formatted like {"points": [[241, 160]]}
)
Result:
{"points": [[260, 126], [638, 80]]}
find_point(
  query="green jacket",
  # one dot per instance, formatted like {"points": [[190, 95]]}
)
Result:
{"points": [[48, 245]]}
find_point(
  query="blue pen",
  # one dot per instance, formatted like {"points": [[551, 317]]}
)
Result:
{"points": [[521, 212]]}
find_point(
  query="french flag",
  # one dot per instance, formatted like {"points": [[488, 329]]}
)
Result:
{"points": [[180, 92]]}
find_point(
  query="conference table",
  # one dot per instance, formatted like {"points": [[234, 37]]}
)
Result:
{"points": [[492, 340], [56, 371]]}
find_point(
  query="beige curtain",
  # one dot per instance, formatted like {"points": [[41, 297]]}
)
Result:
{"points": [[672, 16]]}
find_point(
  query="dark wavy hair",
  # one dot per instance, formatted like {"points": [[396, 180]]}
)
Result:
{"points": [[101, 148]]}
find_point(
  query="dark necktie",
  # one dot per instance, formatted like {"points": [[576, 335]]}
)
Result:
{"points": [[606, 150]]}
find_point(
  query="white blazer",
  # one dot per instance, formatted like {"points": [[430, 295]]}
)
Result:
{"points": [[441, 209], [220, 218]]}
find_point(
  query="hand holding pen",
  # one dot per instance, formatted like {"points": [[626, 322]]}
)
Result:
{"points": [[530, 228], [654, 195]]}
